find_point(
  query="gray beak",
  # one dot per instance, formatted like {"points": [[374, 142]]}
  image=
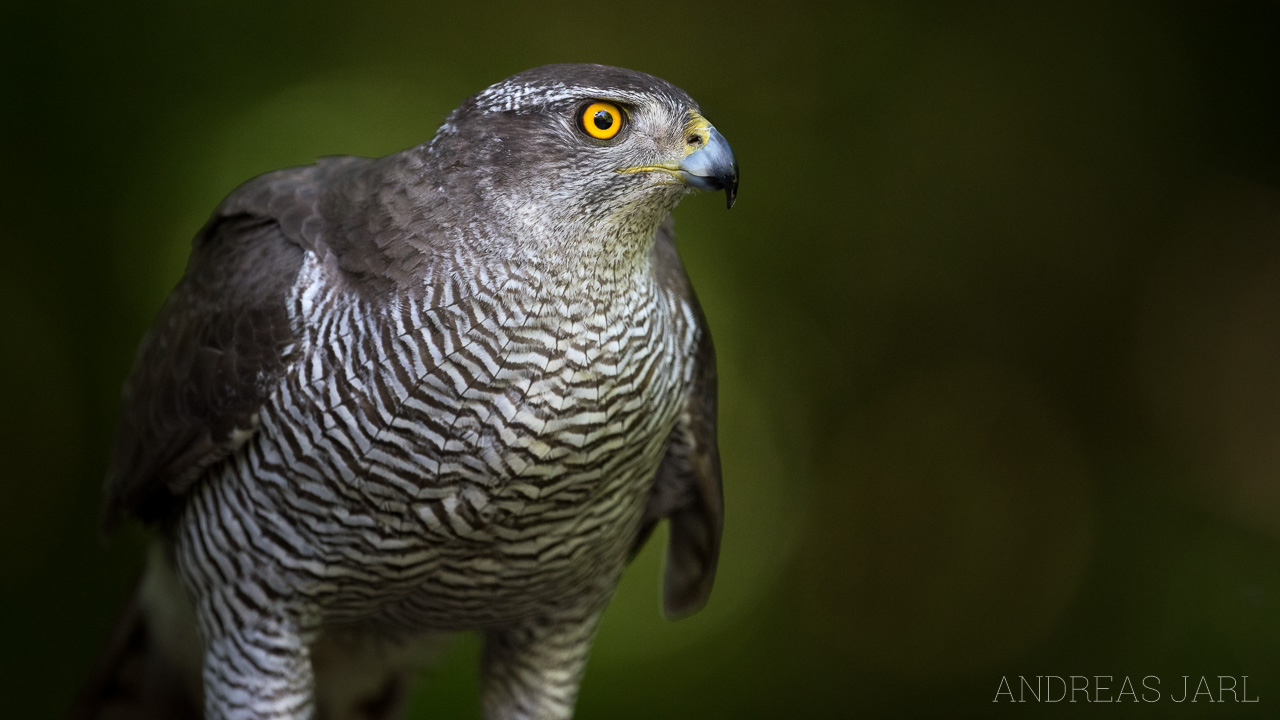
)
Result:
{"points": [[712, 167]]}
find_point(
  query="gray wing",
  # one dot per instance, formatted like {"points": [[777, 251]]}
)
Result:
{"points": [[688, 491], [218, 346]]}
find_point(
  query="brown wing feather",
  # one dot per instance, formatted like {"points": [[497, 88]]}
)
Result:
{"points": [[218, 346], [688, 489], [206, 366]]}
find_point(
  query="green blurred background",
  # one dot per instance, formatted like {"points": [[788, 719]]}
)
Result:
{"points": [[998, 314]]}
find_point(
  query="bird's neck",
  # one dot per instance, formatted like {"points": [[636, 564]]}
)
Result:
{"points": [[582, 244], [612, 254]]}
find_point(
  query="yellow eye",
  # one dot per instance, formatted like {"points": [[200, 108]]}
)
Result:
{"points": [[602, 120]]}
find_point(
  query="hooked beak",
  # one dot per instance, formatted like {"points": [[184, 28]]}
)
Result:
{"points": [[708, 162]]}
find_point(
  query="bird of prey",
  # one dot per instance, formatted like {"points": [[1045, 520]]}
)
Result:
{"points": [[449, 389]]}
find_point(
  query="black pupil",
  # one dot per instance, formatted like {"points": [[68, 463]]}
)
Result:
{"points": [[603, 119]]}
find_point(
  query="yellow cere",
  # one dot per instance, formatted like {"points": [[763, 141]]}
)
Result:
{"points": [[697, 133], [602, 120]]}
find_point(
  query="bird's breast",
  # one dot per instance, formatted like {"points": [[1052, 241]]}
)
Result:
{"points": [[473, 450], [483, 405]]}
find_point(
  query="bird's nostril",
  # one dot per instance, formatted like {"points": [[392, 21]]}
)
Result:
{"points": [[694, 140]]}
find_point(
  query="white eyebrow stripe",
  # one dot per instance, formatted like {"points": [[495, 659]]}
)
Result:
{"points": [[519, 97]]}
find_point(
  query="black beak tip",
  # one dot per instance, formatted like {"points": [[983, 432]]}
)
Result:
{"points": [[713, 167]]}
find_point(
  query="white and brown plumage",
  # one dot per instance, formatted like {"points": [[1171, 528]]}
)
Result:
{"points": [[448, 389]]}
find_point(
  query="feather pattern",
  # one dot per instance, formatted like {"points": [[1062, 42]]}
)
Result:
{"points": [[429, 393]]}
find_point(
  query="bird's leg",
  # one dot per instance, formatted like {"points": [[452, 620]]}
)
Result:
{"points": [[260, 670], [532, 671]]}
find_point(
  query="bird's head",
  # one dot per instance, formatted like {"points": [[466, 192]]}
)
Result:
{"points": [[586, 145]]}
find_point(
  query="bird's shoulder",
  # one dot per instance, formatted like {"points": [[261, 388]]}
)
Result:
{"points": [[224, 336], [377, 224]]}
